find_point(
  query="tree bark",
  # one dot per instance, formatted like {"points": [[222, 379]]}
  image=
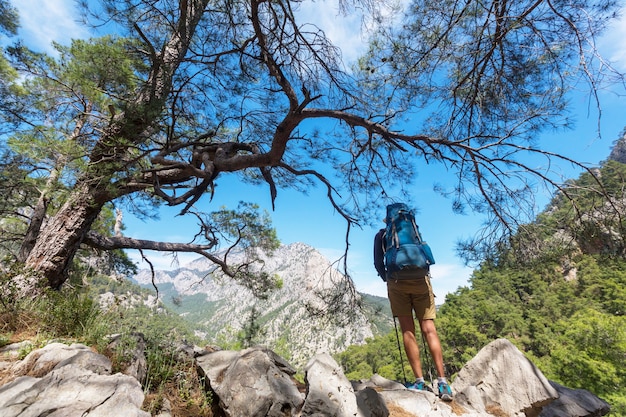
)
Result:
{"points": [[58, 242], [39, 214], [36, 221]]}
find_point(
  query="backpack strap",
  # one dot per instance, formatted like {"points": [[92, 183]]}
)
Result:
{"points": [[417, 232], [395, 241], [383, 241]]}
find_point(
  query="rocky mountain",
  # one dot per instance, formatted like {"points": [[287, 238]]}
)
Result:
{"points": [[220, 310]]}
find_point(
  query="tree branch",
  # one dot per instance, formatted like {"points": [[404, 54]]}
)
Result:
{"points": [[101, 242]]}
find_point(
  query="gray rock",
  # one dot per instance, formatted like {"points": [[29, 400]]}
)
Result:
{"points": [[71, 391], [412, 402], [88, 360], [329, 393], [377, 382], [369, 399], [186, 352], [13, 350], [40, 361], [9, 392], [253, 382], [575, 402], [137, 365], [500, 379]]}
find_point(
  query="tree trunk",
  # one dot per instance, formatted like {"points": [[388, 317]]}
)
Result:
{"points": [[59, 240], [39, 214], [36, 220]]}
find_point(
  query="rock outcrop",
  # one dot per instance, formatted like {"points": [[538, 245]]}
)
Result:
{"points": [[253, 382], [69, 381], [65, 381], [500, 377]]}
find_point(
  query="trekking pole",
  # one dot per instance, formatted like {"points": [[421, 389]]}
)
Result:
{"points": [[426, 352], [399, 350]]}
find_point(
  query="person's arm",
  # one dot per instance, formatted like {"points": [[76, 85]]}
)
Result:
{"points": [[379, 255]]}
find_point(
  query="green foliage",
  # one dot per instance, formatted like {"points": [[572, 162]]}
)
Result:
{"points": [[248, 226], [5, 339], [252, 330], [161, 368], [17, 194], [378, 313], [379, 355], [68, 312], [571, 329], [282, 345], [100, 65], [9, 19], [561, 301], [168, 374], [10, 301], [599, 340]]}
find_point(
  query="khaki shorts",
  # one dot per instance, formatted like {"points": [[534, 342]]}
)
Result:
{"points": [[408, 295]]}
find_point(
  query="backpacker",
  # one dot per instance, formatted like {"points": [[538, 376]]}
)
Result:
{"points": [[404, 248]]}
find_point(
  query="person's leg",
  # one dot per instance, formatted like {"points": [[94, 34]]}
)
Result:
{"points": [[434, 345], [407, 325], [429, 331]]}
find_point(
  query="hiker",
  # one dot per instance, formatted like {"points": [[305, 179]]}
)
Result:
{"points": [[409, 290]]}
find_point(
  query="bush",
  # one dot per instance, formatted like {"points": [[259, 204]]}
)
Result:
{"points": [[68, 313]]}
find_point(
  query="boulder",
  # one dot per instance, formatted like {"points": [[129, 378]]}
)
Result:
{"points": [[71, 391], [411, 403], [575, 402], [501, 380], [377, 382], [133, 348], [369, 399], [253, 382], [329, 393], [69, 381], [40, 361], [401, 401]]}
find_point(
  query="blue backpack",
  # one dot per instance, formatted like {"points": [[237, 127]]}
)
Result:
{"points": [[404, 247]]}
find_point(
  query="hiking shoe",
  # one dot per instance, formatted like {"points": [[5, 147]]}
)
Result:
{"points": [[419, 386], [445, 393]]}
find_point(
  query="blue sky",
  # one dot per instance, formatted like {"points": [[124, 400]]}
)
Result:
{"points": [[310, 218]]}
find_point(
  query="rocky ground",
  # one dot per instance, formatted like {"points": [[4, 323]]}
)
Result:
{"points": [[73, 380]]}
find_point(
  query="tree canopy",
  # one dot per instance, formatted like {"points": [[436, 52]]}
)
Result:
{"points": [[181, 94]]}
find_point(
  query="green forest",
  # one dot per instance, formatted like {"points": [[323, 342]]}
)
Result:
{"points": [[557, 291]]}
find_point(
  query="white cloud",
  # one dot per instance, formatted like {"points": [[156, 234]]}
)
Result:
{"points": [[375, 286], [44, 21], [447, 278], [343, 31], [613, 44]]}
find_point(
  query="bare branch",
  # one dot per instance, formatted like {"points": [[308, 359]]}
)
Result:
{"points": [[98, 241]]}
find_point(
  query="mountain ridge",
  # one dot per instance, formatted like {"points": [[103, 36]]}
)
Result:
{"points": [[222, 311]]}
